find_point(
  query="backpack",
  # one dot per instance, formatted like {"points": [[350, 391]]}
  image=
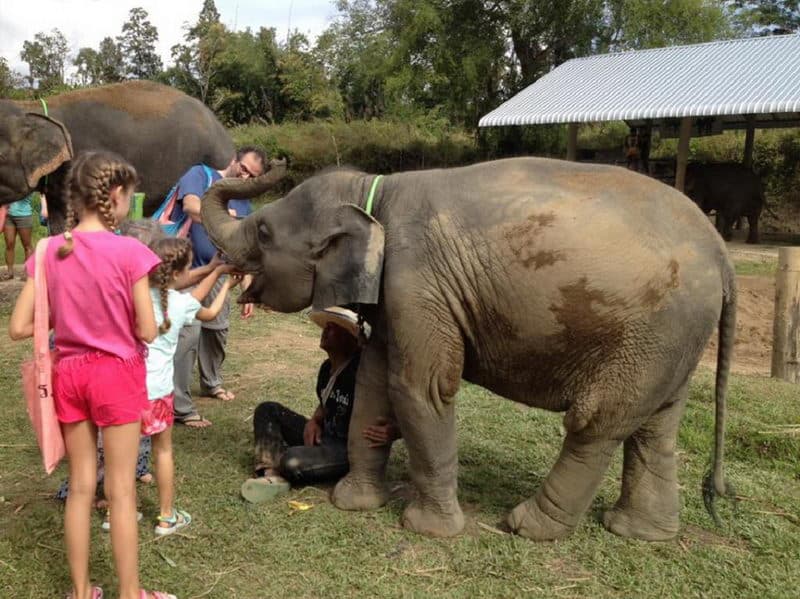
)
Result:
{"points": [[170, 215]]}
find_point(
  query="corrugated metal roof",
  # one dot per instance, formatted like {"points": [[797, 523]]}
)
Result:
{"points": [[758, 76]]}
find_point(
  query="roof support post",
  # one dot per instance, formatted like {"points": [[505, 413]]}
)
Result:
{"points": [[683, 153], [572, 141], [786, 326], [749, 141]]}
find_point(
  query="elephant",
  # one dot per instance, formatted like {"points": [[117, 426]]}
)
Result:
{"points": [[732, 189], [585, 289], [158, 129]]}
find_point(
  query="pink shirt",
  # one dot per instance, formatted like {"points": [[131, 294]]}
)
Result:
{"points": [[91, 292]]}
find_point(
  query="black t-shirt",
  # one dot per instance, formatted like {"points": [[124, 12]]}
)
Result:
{"points": [[339, 406]]}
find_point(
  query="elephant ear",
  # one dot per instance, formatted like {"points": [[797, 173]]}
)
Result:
{"points": [[349, 260], [44, 145]]}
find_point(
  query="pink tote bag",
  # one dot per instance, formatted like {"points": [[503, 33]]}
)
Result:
{"points": [[37, 373]]}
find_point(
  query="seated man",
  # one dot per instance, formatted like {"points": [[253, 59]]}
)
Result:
{"points": [[290, 448]]}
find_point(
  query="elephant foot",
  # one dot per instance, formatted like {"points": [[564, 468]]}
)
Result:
{"points": [[630, 523], [352, 495], [434, 523], [528, 520], [753, 240]]}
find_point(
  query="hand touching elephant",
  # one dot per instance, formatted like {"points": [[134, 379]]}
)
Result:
{"points": [[583, 289], [158, 129]]}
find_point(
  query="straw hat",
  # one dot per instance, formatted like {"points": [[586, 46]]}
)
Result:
{"points": [[347, 319]]}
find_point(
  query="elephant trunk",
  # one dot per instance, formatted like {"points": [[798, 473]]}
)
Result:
{"points": [[234, 237]]}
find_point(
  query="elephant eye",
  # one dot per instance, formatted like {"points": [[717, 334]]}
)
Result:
{"points": [[264, 235]]}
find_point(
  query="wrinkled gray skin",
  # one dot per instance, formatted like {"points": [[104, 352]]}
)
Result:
{"points": [[583, 289], [731, 189], [158, 129]]}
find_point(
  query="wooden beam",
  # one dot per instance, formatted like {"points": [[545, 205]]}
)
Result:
{"points": [[572, 141], [786, 326], [749, 140], [683, 153]]}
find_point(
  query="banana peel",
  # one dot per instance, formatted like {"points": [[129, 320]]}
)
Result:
{"points": [[299, 506]]}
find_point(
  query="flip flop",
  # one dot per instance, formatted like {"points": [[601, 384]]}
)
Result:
{"points": [[97, 593], [222, 394], [193, 421], [265, 488]]}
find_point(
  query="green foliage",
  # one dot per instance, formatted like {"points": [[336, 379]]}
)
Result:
{"points": [[138, 45], [46, 56], [766, 16]]}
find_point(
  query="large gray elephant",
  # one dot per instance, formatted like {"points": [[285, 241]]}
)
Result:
{"points": [[584, 289], [732, 190], [160, 130]]}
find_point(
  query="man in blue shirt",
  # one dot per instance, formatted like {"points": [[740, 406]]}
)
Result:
{"points": [[205, 343]]}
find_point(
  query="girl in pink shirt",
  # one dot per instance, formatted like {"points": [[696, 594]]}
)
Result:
{"points": [[102, 316]]}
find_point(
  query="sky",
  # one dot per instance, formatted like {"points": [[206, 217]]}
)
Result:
{"points": [[87, 22]]}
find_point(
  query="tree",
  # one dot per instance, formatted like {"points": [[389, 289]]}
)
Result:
{"points": [[46, 56], [305, 90], [138, 45], [110, 61], [196, 60], [88, 62], [7, 78], [767, 17]]}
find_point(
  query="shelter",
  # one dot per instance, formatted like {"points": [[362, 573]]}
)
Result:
{"points": [[700, 89]]}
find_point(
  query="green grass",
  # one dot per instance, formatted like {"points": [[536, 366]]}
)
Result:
{"points": [[237, 550], [757, 268]]}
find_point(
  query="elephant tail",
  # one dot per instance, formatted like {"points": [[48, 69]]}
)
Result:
{"points": [[714, 483]]}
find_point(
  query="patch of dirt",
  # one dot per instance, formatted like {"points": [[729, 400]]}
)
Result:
{"points": [[9, 290], [752, 352]]}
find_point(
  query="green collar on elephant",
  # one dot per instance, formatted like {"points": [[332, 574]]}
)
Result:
{"points": [[44, 106], [375, 182]]}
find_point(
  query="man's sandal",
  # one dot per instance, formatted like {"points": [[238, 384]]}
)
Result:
{"points": [[155, 595], [193, 421], [179, 519], [264, 488], [97, 593], [222, 394]]}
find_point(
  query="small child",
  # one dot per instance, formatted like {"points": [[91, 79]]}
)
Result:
{"points": [[173, 310]]}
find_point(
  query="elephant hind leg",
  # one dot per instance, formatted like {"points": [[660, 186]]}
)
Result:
{"points": [[648, 504], [752, 233], [567, 492]]}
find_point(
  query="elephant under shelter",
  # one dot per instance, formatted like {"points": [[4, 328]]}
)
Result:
{"points": [[583, 289], [158, 129]]}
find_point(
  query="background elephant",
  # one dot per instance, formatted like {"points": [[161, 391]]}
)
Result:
{"points": [[159, 129], [584, 289], [731, 189]]}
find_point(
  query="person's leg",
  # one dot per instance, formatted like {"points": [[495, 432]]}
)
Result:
{"points": [[275, 428], [317, 464], [210, 356], [185, 357], [143, 461], [10, 235], [80, 439], [25, 235], [121, 448], [165, 470]]}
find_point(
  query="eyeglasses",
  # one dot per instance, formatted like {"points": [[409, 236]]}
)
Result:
{"points": [[245, 170]]}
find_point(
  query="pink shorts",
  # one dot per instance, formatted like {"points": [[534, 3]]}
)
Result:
{"points": [[158, 416], [100, 387]]}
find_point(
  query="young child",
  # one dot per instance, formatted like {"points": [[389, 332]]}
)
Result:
{"points": [[102, 316], [172, 310]]}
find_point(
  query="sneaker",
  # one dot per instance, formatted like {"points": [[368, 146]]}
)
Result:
{"points": [[264, 488], [106, 525]]}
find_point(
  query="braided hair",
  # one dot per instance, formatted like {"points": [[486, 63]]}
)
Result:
{"points": [[91, 178], [175, 254]]}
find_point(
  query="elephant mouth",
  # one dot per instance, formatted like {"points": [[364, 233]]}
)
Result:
{"points": [[252, 294]]}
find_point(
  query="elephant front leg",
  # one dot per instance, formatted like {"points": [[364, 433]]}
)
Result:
{"points": [[364, 487], [567, 491], [648, 505]]}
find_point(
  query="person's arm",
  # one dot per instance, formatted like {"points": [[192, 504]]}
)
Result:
{"points": [[191, 206], [210, 313], [43, 208], [312, 433], [205, 286], [21, 324], [195, 275], [383, 432], [146, 328], [247, 309]]}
